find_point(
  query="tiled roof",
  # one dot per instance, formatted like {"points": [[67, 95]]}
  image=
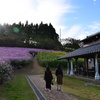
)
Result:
{"points": [[81, 52], [96, 35]]}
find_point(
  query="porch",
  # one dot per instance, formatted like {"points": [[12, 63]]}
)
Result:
{"points": [[91, 53]]}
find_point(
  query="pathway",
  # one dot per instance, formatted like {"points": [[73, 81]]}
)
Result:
{"points": [[39, 82]]}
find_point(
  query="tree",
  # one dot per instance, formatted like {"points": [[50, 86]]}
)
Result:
{"points": [[71, 44], [43, 34]]}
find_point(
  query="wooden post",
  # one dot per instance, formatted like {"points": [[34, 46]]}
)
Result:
{"points": [[68, 67], [76, 66], [87, 67]]}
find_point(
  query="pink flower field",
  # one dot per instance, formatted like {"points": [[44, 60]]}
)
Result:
{"points": [[14, 58], [14, 53]]}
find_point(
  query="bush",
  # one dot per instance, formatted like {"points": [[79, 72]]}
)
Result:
{"points": [[18, 64], [5, 72], [80, 62], [50, 59]]}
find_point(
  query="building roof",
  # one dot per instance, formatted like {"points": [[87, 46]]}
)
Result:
{"points": [[88, 51], [92, 37]]}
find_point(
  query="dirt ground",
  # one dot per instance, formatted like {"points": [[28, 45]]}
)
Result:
{"points": [[37, 69], [38, 80]]}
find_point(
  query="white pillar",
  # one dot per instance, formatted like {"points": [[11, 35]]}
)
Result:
{"points": [[68, 71], [97, 76], [71, 65]]}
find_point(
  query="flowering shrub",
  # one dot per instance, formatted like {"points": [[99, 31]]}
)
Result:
{"points": [[5, 72]]}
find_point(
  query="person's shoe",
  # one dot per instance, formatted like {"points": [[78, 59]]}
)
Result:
{"points": [[46, 89], [49, 90], [57, 89]]}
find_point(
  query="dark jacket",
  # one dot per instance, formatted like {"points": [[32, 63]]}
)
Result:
{"points": [[59, 72], [48, 75]]}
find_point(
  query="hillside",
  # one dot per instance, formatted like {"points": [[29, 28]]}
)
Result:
{"points": [[38, 35]]}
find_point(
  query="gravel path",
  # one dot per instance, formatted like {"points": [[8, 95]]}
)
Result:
{"points": [[40, 84], [54, 94]]}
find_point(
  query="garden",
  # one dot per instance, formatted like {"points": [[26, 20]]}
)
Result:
{"points": [[12, 81], [74, 86], [15, 58], [14, 63]]}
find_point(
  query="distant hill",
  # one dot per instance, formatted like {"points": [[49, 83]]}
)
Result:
{"points": [[38, 35]]}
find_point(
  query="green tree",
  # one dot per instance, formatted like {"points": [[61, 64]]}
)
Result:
{"points": [[71, 44]]}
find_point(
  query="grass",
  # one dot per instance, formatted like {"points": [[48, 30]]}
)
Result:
{"points": [[78, 88], [17, 89]]}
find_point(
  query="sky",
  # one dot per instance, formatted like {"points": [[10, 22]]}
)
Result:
{"points": [[70, 18]]}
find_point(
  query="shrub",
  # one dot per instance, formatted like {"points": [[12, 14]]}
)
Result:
{"points": [[50, 59], [79, 62], [5, 72], [20, 63]]}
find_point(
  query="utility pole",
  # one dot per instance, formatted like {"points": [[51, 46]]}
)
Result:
{"points": [[60, 35]]}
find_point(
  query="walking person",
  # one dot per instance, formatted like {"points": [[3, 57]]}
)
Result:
{"points": [[59, 77], [48, 79]]}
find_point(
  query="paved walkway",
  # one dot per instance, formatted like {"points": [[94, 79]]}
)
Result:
{"points": [[39, 83], [54, 94]]}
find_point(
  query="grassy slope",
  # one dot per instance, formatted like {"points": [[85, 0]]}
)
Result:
{"points": [[78, 88], [17, 89]]}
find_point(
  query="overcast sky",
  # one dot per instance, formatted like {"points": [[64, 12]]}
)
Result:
{"points": [[75, 18]]}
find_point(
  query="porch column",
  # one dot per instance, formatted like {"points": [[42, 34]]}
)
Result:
{"points": [[76, 67], [71, 65], [87, 66], [97, 76], [68, 70]]}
